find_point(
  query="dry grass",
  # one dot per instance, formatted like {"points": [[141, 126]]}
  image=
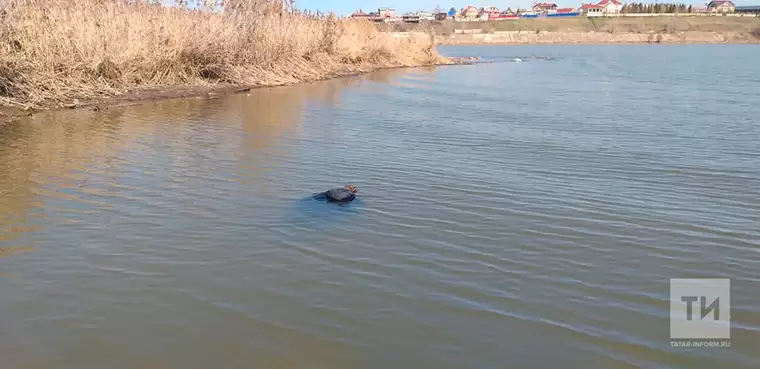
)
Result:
{"points": [[52, 51], [612, 25]]}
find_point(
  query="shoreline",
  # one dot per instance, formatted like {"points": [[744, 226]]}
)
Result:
{"points": [[595, 38], [139, 95], [142, 95], [590, 30], [93, 54], [76, 54]]}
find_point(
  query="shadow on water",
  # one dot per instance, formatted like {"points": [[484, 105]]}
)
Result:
{"points": [[321, 215]]}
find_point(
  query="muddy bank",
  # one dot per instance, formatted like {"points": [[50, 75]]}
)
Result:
{"points": [[533, 37]]}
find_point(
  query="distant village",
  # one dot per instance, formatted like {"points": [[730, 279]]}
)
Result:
{"points": [[548, 10]]}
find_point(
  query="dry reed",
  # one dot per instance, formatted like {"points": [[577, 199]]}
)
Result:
{"points": [[53, 51]]}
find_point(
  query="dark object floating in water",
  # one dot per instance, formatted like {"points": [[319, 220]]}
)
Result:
{"points": [[341, 194]]}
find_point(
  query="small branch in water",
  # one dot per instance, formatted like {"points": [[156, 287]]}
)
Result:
{"points": [[11, 102]]}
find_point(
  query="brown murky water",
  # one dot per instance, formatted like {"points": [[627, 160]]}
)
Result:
{"points": [[511, 215]]}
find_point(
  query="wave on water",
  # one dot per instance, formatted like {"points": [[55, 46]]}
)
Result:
{"points": [[512, 59]]}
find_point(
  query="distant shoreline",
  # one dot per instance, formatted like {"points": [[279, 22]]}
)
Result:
{"points": [[523, 38], [594, 30]]}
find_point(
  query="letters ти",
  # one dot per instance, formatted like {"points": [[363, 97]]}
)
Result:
{"points": [[703, 308]]}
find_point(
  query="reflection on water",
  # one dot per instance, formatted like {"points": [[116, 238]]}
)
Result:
{"points": [[506, 211], [56, 155]]}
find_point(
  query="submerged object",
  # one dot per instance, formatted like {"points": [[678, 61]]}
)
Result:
{"points": [[341, 194]]}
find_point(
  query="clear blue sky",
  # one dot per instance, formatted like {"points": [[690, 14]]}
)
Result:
{"points": [[346, 7]]}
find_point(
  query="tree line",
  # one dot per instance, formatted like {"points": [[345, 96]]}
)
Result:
{"points": [[637, 8]]}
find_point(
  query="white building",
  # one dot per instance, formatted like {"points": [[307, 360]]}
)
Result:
{"points": [[611, 6], [601, 8]]}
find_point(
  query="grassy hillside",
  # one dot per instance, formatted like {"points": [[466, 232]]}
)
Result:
{"points": [[599, 24]]}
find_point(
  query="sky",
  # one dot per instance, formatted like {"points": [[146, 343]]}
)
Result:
{"points": [[346, 7]]}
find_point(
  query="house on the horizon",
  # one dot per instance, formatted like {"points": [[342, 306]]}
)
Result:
{"points": [[469, 12], [611, 6], [425, 15], [410, 18], [381, 15], [386, 12], [721, 6], [360, 14], [592, 10], [601, 8], [490, 12], [416, 17], [494, 13], [544, 7]]}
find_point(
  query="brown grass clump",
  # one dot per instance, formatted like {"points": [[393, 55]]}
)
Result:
{"points": [[57, 50]]}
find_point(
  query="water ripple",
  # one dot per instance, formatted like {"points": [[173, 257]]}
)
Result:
{"points": [[505, 209]]}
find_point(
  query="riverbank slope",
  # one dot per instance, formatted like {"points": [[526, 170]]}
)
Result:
{"points": [[72, 53], [578, 30]]}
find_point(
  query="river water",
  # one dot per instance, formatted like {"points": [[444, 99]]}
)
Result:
{"points": [[516, 214]]}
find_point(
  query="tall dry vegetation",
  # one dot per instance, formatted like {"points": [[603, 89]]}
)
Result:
{"points": [[56, 50]]}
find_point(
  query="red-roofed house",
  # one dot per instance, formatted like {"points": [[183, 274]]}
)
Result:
{"points": [[592, 10], [470, 12], [602, 7], [721, 6], [359, 14], [544, 7], [611, 6]]}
